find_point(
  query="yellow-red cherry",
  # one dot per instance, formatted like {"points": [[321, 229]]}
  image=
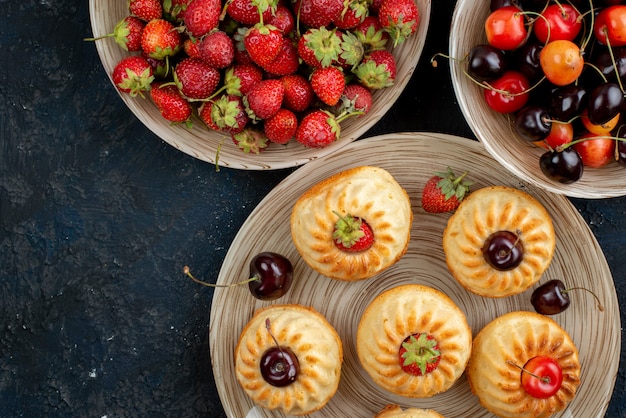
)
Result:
{"points": [[561, 61]]}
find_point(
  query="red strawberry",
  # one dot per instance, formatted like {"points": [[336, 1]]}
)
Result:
{"points": [[146, 9], [191, 46], [371, 34], [263, 44], [217, 49], [171, 104], [328, 83], [352, 234], [443, 192], [160, 39], [419, 354], [240, 78], [127, 33], [281, 127], [195, 78], [265, 99], [202, 16], [400, 18], [250, 141], [353, 13], [282, 19], [298, 92], [320, 47], [246, 12], [377, 70], [356, 98], [318, 13], [133, 75], [226, 114], [317, 129], [286, 62]]}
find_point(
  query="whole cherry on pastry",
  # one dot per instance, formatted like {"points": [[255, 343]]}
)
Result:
{"points": [[271, 275], [352, 233], [503, 250], [552, 297], [541, 377], [279, 365], [419, 354]]}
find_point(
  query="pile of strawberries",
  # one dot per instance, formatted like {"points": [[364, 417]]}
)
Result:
{"points": [[262, 71]]}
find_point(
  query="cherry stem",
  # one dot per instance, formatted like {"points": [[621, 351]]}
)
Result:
{"points": [[579, 140], [589, 36], [187, 271], [600, 306], [518, 234], [544, 379], [268, 327], [608, 45]]}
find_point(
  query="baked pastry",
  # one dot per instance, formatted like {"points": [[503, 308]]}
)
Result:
{"points": [[499, 241], [368, 194], [395, 411], [267, 347], [413, 341], [507, 343]]}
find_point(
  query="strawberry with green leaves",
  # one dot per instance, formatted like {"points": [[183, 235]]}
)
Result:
{"points": [[444, 192], [377, 70], [400, 18], [328, 83], [352, 234], [419, 354], [250, 140], [126, 33], [250, 12], [318, 13], [371, 34], [318, 129], [146, 10], [240, 78], [263, 43], [133, 75], [225, 114], [320, 47], [355, 98], [160, 39], [171, 104]]}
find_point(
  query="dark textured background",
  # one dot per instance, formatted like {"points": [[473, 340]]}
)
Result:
{"points": [[98, 217]]}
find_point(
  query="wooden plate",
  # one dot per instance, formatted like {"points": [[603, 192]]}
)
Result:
{"points": [[202, 143], [496, 131], [411, 158]]}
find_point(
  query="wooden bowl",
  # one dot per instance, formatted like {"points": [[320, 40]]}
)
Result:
{"points": [[201, 143], [495, 130]]}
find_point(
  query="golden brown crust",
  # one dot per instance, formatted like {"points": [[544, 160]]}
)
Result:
{"points": [[395, 411], [516, 337], [400, 312], [484, 212], [315, 343], [370, 193]]}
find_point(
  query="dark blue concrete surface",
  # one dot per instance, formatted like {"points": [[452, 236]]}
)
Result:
{"points": [[98, 216]]}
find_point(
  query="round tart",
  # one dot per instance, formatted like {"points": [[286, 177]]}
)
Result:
{"points": [[310, 337], [509, 342], [395, 411], [413, 341], [369, 194], [481, 216]]}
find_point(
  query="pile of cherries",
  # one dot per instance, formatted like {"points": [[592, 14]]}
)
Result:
{"points": [[559, 69]]}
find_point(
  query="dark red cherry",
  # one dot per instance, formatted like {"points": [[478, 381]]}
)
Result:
{"points": [[485, 62], [605, 102], [503, 250], [621, 153], [550, 298], [273, 273], [563, 166], [279, 366], [567, 102], [527, 60], [604, 62], [533, 123]]}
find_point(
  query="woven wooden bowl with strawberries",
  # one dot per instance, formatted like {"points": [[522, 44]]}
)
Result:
{"points": [[247, 84]]}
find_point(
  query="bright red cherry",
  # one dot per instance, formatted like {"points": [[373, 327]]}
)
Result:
{"points": [[505, 28], [560, 21], [610, 26], [509, 93], [541, 377]]}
